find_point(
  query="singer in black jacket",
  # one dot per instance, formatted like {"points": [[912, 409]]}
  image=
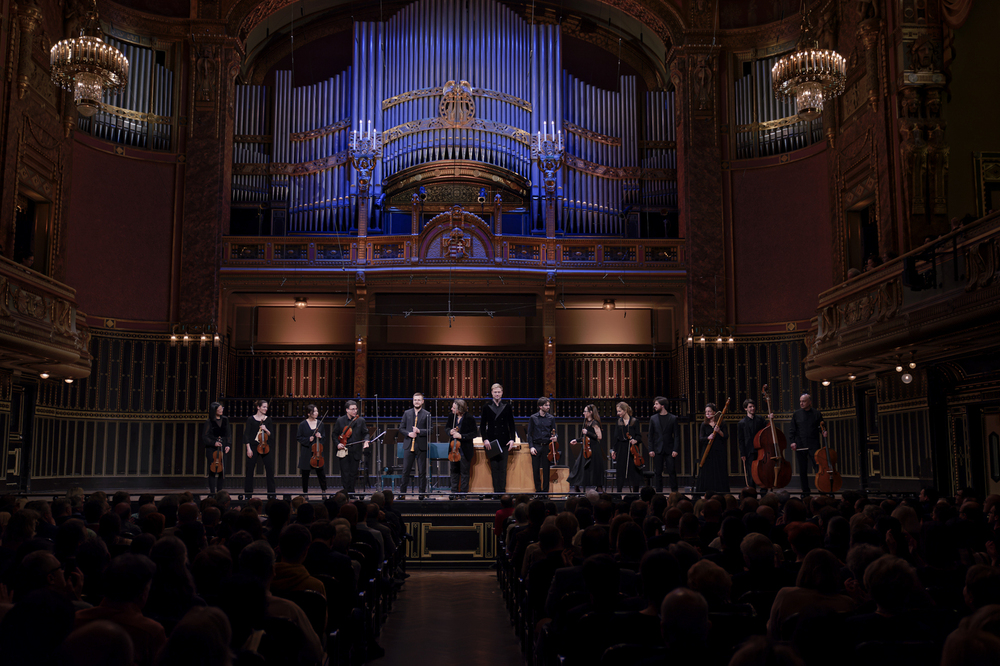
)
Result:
{"points": [[496, 425]]}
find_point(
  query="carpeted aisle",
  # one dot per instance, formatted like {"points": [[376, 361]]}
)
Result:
{"points": [[449, 618]]}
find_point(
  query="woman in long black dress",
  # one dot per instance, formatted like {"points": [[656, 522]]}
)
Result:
{"points": [[215, 437], [259, 424], [628, 434], [309, 431], [462, 427], [589, 471], [712, 477]]}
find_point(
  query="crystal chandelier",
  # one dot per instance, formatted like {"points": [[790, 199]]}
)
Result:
{"points": [[88, 66], [811, 75]]}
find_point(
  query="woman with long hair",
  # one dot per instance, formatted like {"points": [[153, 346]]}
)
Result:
{"points": [[589, 471]]}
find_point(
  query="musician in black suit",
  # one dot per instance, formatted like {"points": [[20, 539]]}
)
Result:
{"points": [[350, 453], [461, 426], [496, 425], [414, 427], [664, 444], [746, 431]]}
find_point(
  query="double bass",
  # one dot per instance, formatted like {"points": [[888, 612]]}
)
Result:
{"points": [[827, 478], [770, 469]]}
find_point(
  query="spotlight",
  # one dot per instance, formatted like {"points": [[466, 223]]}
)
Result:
{"points": [[907, 378], [68, 380], [913, 365], [609, 304], [826, 382], [482, 195], [301, 302], [44, 375], [852, 377], [701, 339], [718, 340], [360, 341], [731, 340], [186, 337], [899, 368], [204, 338], [380, 201]]}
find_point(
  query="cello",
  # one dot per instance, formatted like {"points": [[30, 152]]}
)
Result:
{"points": [[719, 416], [770, 469], [827, 478]]}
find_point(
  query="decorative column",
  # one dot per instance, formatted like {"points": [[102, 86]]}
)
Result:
{"points": [[549, 334], [547, 149], [29, 17], [366, 150], [208, 162], [415, 208], [360, 335]]}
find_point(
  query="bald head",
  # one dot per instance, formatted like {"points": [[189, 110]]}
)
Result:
{"points": [[684, 621], [805, 401]]}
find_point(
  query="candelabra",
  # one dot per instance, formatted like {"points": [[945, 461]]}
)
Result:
{"points": [[547, 149], [366, 150]]}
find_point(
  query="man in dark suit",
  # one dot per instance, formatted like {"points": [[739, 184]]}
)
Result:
{"points": [[746, 430], [496, 425], [354, 449], [664, 443], [415, 426]]}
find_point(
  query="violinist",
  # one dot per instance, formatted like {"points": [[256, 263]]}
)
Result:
{"points": [[415, 426], [712, 478], [215, 437], [627, 435], [803, 435], [664, 444], [746, 430], [589, 471], [462, 427], [259, 426], [310, 431], [541, 433], [357, 442]]}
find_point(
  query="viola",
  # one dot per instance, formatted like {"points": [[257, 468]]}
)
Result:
{"points": [[317, 461], [718, 424], [262, 438], [587, 451], [216, 466], [827, 478], [770, 469], [455, 450], [635, 452]]}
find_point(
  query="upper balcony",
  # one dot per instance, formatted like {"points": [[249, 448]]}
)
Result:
{"points": [[938, 301]]}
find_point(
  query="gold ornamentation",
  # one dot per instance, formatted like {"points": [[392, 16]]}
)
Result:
{"points": [[320, 132], [365, 151], [457, 108], [659, 145], [139, 116], [292, 169], [439, 90], [252, 138], [593, 136], [787, 121], [414, 126], [618, 173]]}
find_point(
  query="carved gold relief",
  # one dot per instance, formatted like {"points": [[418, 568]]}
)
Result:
{"points": [[320, 132], [414, 126], [617, 173], [440, 90], [457, 108], [593, 136], [128, 114], [292, 169]]}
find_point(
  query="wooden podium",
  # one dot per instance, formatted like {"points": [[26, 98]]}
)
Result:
{"points": [[518, 472]]}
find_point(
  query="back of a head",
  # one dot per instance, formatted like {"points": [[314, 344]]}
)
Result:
{"points": [[820, 571], [711, 580], [982, 585], [860, 557], [684, 621], [758, 551], [594, 541], [294, 543], [758, 651], [568, 526], [732, 532], [201, 638], [892, 582], [689, 525], [127, 576], [601, 576], [349, 512], [660, 573], [98, 643], [373, 512], [187, 512], [966, 647], [804, 538], [257, 560], [604, 510], [638, 510], [631, 541], [536, 512], [549, 537], [305, 514]]}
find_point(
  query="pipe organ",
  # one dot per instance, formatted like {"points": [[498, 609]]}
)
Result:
{"points": [[449, 83], [141, 114], [766, 125]]}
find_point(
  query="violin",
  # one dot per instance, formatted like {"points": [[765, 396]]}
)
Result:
{"points": [[770, 469], [636, 452], [587, 451], [216, 466], [262, 437], [317, 461], [718, 424], [827, 478], [344, 439]]}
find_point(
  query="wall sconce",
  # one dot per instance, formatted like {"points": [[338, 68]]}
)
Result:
{"points": [[44, 375], [360, 341], [899, 368], [852, 377], [609, 304], [826, 382], [301, 302], [68, 380]]}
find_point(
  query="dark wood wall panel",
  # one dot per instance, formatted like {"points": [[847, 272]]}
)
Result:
{"points": [[399, 375], [291, 375], [625, 376]]}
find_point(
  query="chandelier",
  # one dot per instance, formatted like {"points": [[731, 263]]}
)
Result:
{"points": [[810, 74], [88, 66]]}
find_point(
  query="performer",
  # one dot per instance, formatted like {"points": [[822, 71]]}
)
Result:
{"points": [[803, 435], [664, 444], [415, 425], [541, 432], [355, 445], [627, 435], [496, 425], [712, 477], [214, 437], [746, 430], [309, 432], [259, 422], [461, 427], [589, 471]]}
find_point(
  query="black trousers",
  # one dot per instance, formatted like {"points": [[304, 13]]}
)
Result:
{"points": [[460, 472], [349, 472], [664, 462], [421, 459], [215, 481], [498, 470], [320, 474], [806, 463], [540, 462], [252, 464]]}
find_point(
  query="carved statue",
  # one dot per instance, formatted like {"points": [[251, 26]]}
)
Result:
{"points": [[703, 81], [868, 9], [910, 104], [933, 104], [922, 54], [205, 69]]}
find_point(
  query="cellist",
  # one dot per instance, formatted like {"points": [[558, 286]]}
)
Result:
{"points": [[746, 430], [356, 443], [803, 435]]}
